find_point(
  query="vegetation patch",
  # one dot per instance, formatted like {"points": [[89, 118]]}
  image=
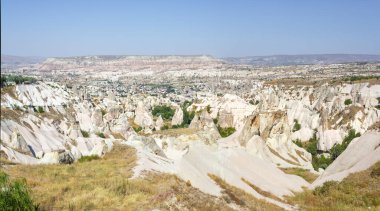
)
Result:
{"points": [[105, 184], [360, 78], [337, 149], [318, 159], [227, 131], [85, 133], [88, 158], [18, 79], [306, 174], [166, 112], [100, 134], [297, 126], [137, 129], [358, 191], [40, 109], [14, 194], [348, 102], [104, 112]]}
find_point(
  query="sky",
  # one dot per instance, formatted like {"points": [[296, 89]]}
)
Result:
{"points": [[222, 28]]}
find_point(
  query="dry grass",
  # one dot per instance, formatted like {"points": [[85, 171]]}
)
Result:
{"points": [[242, 198], [358, 191], [262, 192], [117, 135], [104, 184], [375, 126], [177, 131], [306, 174], [10, 90], [347, 117], [278, 155], [51, 114], [11, 114]]}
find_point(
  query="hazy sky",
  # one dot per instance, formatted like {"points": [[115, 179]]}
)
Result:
{"points": [[219, 27]]}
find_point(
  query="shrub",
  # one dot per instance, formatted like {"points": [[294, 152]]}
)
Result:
{"points": [[320, 162], [165, 127], [40, 109], [14, 195], [166, 112], [85, 133], [297, 126], [137, 129], [348, 102], [337, 149], [187, 116], [298, 142], [101, 135], [224, 132], [88, 158], [254, 102], [103, 112], [208, 108]]}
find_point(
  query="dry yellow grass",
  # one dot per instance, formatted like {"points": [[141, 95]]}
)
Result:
{"points": [[11, 114], [242, 198], [278, 155], [10, 90], [358, 191], [306, 174], [104, 184], [260, 191], [177, 132]]}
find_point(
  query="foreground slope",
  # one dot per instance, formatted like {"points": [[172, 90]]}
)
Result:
{"points": [[106, 184]]}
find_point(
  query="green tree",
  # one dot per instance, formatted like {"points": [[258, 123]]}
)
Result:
{"points": [[166, 112]]}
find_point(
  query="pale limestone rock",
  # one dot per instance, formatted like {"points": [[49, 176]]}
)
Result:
{"points": [[143, 118], [97, 118], [178, 117], [225, 119], [112, 113], [159, 123], [204, 122], [122, 127], [328, 138]]}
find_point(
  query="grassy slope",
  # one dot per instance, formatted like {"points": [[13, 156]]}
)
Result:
{"points": [[358, 191], [103, 184], [306, 174]]}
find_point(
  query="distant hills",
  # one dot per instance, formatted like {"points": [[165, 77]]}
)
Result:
{"points": [[20, 60], [276, 60]]}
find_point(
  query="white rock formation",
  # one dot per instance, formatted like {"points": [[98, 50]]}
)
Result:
{"points": [[143, 118], [328, 138], [159, 123], [178, 116]]}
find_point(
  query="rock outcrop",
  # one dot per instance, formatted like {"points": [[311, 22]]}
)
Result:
{"points": [[178, 117]]}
